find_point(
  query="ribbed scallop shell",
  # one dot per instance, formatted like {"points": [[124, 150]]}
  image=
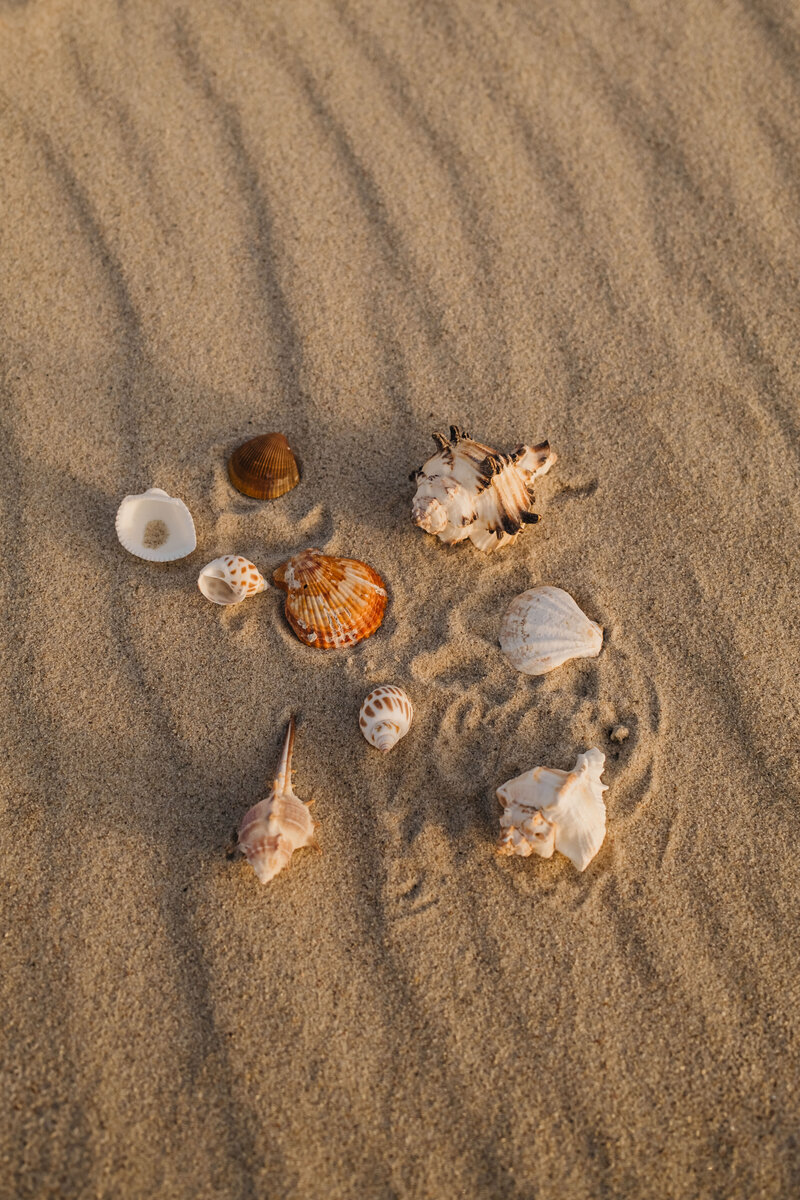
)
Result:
{"points": [[543, 628], [385, 716], [230, 579], [155, 526], [331, 602], [264, 467]]}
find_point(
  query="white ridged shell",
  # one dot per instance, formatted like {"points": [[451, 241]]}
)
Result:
{"points": [[134, 515], [385, 716], [229, 579], [272, 830], [543, 628], [547, 809]]}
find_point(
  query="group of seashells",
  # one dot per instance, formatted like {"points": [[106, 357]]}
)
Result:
{"points": [[465, 491]]}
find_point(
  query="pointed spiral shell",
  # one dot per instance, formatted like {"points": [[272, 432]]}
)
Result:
{"points": [[274, 828], [385, 716]]}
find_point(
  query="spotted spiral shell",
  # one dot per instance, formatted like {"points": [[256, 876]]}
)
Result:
{"points": [[385, 716]]}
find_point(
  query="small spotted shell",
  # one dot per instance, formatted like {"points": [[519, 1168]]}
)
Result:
{"points": [[385, 716], [229, 579]]}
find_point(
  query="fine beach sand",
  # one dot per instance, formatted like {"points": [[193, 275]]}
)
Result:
{"points": [[358, 223]]}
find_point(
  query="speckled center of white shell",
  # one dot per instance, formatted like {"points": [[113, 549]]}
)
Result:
{"points": [[138, 516]]}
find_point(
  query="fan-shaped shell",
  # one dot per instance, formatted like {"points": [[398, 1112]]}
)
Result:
{"points": [[264, 467], [546, 809], [155, 526], [543, 628], [331, 602], [229, 579], [385, 716]]}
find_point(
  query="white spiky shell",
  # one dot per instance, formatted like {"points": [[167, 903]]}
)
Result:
{"points": [[134, 515], [468, 490], [385, 716], [546, 809], [543, 628], [230, 579], [273, 829]]}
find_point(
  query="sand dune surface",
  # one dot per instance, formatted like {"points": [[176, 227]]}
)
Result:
{"points": [[358, 223]]}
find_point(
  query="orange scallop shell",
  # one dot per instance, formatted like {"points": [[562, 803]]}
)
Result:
{"points": [[331, 602], [264, 467]]}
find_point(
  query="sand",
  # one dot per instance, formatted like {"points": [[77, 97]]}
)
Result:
{"points": [[358, 223]]}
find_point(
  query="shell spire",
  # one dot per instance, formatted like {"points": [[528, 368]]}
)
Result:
{"points": [[283, 776], [274, 828], [468, 490]]}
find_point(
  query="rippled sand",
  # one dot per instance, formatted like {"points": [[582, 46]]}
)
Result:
{"points": [[358, 223]]}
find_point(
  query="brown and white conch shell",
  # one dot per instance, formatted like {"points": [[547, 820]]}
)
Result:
{"points": [[274, 828], [546, 809], [229, 579], [543, 628], [385, 716], [468, 490], [331, 602]]}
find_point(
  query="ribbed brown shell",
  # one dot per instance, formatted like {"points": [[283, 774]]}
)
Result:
{"points": [[331, 602], [264, 467]]}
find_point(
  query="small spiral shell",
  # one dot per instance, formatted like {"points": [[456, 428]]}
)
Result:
{"points": [[385, 716], [230, 579]]}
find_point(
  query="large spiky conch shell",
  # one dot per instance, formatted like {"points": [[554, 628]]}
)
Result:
{"points": [[385, 716], [331, 602], [264, 467], [543, 628], [155, 526], [468, 490], [230, 579], [546, 810], [273, 829]]}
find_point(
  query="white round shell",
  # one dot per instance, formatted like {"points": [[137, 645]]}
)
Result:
{"points": [[134, 515], [230, 579], [543, 628], [385, 716]]}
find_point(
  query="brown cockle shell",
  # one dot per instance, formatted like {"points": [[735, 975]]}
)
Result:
{"points": [[264, 467], [331, 602]]}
